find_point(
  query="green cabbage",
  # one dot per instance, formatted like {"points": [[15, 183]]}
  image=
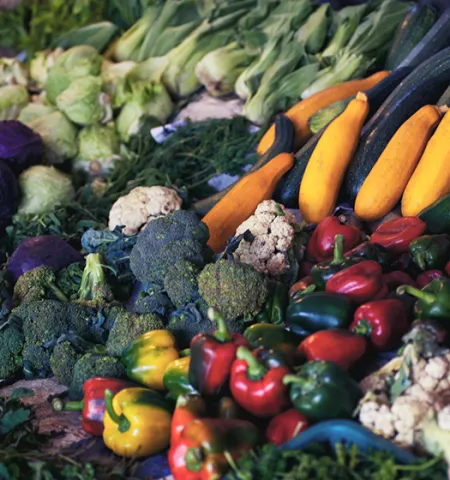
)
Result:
{"points": [[12, 72], [59, 136], [33, 111], [40, 64], [42, 188], [13, 99]]}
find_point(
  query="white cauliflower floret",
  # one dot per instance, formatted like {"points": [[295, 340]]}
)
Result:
{"points": [[409, 411], [142, 205], [384, 422], [437, 367], [273, 231], [443, 418]]}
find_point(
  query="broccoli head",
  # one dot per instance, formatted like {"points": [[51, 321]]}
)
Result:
{"points": [[94, 289], [37, 284], [127, 327], [63, 360], [68, 280], [44, 321], [234, 289], [93, 365], [189, 321], [6, 291], [167, 240], [180, 283], [36, 362], [149, 298], [11, 346]]}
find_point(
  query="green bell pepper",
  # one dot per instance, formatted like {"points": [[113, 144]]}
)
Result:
{"points": [[433, 301], [176, 377], [270, 336], [323, 271], [308, 314], [323, 391], [274, 309], [431, 252]]}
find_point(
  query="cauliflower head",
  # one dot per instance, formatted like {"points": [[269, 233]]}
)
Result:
{"points": [[273, 231], [142, 205]]}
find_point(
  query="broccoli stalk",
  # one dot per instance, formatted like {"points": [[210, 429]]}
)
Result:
{"points": [[94, 289]]}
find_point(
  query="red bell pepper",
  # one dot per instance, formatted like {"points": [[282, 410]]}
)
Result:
{"points": [[258, 388], [396, 235], [426, 277], [304, 268], [361, 282], [337, 345], [187, 409], [321, 243], [383, 322], [204, 446], [285, 426], [393, 280], [93, 404], [212, 357], [305, 285]]}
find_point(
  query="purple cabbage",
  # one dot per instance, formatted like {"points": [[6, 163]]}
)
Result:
{"points": [[9, 194], [20, 147], [43, 250]]}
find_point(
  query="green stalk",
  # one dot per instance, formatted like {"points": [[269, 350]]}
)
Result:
{"points": [[222, 334], [255, 370], [121, 420]]}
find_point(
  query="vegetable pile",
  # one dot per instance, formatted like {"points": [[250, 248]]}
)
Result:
{"points": [[247, 301]]}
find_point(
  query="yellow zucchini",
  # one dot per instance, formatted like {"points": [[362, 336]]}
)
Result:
{"points": [[386, 182], [329, 161], [431, 178]]}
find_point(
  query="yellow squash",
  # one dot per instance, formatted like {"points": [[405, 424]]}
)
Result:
{"points": [[431, 178], [386, 182], [300, 113], [329, 161], [241, 201]]}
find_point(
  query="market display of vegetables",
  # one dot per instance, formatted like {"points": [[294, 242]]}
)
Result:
{"points": [[262, 294]]}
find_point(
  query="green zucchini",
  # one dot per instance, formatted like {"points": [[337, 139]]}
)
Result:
{"points": [[416, 24], [437, 216], [423, 86], [445, 98], [437, 38], [283, 143]]}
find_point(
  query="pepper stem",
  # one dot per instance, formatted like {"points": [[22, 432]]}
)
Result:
{"points": [[222, 334], [363, 328], [255, 370], [121, 420], [288, 379], [194, 459], [426, 297], [338, 254], [59, 405], [185, 353], [420, 260]]}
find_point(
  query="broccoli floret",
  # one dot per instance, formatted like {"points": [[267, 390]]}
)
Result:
{"points": [[149, 298], [62, 362], [68, 280], [6, 291], [94, 290], [44, 321], [36, 362], [127, 327], [189, 321], [93, 365], [37, 284], [234, 289], [167, 240], [181, 283], [11, 345]]}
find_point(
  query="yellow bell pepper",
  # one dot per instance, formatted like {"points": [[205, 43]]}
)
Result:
{"points": [[137, 422], [147, 357]]}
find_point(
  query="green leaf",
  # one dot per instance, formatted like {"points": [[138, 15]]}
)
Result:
{"points": [[4, 474], [12, 419], [21, 393]]}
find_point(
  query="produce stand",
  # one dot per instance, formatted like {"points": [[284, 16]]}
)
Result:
{"points": [[225, 240]]}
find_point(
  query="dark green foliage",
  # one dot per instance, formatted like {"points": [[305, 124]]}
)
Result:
{"points": [[93, 365], [36, 361], [180, 283], [63, 360], [167, 240], [127, 327], [68, 280], [149, 298], [11, 345], [234, 289]]}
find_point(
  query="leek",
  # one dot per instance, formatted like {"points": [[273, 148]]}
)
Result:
{"points": [[219, 69], [289, 16], [276, 96], [180, 78], [347, 66], [97, 35], [346, 22], [313, 33]]}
